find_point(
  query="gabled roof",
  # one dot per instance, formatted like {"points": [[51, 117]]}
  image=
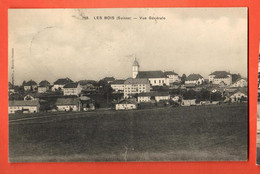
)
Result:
{"points": [[109, 79], [24, 103], [242, 90], [136, 81], [144, 94], [118, 82], [63, 81], [67, 101], [85, 82], [240, 79], [220, 74], [170, 73], [192, 77], [30, 83], [125, 101], [71, 85], [151, 74], [44, 83]]}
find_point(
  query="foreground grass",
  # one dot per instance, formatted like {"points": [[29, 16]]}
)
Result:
{"points": [[184, 133]]}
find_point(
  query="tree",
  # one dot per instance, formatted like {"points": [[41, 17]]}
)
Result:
{"points": [[183, 78], [235, 77], [216, 96], [191, 94]]}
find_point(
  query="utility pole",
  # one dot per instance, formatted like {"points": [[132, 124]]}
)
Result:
{"points": [[12, 67]]}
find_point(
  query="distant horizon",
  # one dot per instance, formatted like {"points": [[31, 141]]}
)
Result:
{"points": [[57, 43]]}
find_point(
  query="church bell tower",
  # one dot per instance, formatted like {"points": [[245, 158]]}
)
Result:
{"points": [[135, 68]]}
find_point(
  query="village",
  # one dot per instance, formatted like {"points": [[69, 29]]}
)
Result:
{"points": [[145, 89]]}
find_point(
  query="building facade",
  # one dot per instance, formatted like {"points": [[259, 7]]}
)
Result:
{"points": [[24, 106], [72, 89], [220, 76], [135, 86], [194, 79]]}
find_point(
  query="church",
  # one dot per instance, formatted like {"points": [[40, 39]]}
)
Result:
{"points": [[156, 78]]}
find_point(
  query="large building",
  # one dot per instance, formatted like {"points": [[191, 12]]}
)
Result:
{"points": [[156, 78], [172, 76], [118, 86], [24, 106], [72, 89], [220, 76], [135, 86]]}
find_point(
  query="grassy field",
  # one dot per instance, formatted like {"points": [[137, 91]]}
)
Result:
{"points": [[201, 133]]}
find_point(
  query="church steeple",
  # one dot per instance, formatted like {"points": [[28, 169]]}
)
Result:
{"points": [[135, 68]]}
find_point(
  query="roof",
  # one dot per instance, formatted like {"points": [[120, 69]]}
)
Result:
{"points": [[151, 74], [44, 83], [67, 101], [192, 77], [242, 90], [118, 82], [85, 82], [135, 63], [30, 83], [220, 74], [153, 94], [63, 81], [136, 81], [24, 103], [170, 73], [109, 78], [126, 101], [71, 85], [240, 79]]}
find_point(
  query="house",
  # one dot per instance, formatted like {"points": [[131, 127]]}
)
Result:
{"points": [[30, 86], [72, 89], [68, 104], [87, 103], [220, 76], [87, 85], [60, 83], [126, 105], [109, 79], [194, 79], [172, 77], [176, 98], [240, 83], [118, 86], [238, 96], [43, 86], [156, 96], [135, 86], [191, 102], [156, 78], [24, 106]]}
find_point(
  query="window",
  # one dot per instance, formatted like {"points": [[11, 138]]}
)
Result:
{"points": [[159, 81], [154, 81]]}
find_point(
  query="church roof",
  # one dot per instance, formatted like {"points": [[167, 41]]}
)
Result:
{"points": [[151, 74], [135, 63], [170, 73], [192, 77]]}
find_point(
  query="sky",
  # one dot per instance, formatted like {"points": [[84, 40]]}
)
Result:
{"points": [[57, 43]]}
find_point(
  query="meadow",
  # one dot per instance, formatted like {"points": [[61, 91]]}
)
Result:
{"points": [[196, 133]]}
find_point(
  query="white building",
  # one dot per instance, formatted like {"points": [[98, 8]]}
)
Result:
{"points": [[24, 106], [191, 102], [126, 105], [43, 86], [172, 76], [194, 79], [156, 78], [135, 86], [72, 89], [220, 76], [60, 83], [118, 85], [238, 95], [68, 104], [156, 96], [240, 83]]}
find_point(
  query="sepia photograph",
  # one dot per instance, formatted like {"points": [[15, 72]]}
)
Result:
{"points": [[128, 84]]}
